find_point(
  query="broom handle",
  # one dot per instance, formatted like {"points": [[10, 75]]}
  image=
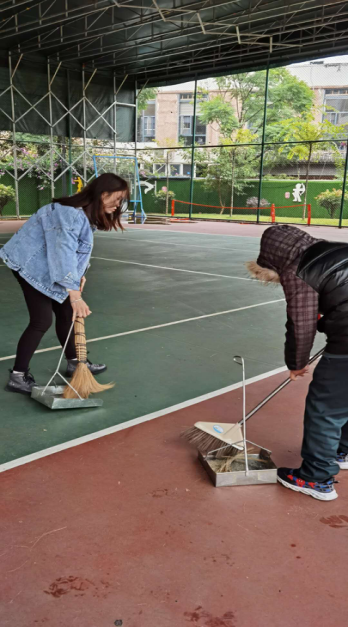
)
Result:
{"points": [[80, 340], [278, 389]]}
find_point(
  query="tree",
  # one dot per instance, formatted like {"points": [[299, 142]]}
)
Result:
{"points": [[227, 168], [146, 94], [306, 129], [240, 100], [7, 193], [237, 113], [252, 202], [163, 197], [331, 200]]}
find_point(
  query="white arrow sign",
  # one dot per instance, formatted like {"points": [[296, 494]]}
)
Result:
{"points": [[148, 185]]}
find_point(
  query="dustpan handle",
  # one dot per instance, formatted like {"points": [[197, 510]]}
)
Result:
{"points": [[278, 389]]}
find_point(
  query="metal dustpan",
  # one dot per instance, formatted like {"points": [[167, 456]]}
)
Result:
{"points": [[245, 469], [52, 395], [231, 433]]}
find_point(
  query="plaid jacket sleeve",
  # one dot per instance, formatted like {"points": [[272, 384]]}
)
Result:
{"points": [[302, 315]]}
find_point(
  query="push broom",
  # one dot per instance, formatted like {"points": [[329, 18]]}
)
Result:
{"points": [[212, 436], [83, 383]]}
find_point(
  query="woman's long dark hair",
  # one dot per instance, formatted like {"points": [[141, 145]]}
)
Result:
{"points": [[90, 199]]}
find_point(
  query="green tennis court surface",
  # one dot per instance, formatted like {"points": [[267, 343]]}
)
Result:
{"points": [[170, 310]]}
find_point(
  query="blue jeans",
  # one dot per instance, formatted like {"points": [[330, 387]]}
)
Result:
{"points": [[326, 419]]}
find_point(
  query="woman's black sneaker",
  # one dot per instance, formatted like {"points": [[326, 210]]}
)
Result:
{"points": [[21, 382], [94, 368], [324, 491]]}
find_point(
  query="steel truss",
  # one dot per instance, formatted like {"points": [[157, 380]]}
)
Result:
{"points": [[79, 167], [163, 39]]}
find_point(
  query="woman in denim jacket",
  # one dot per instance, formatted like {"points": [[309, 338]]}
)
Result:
{"points": [[49, 257]]}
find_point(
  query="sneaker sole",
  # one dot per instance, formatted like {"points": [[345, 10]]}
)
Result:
{"points": [[343, 465], [330, 496]]}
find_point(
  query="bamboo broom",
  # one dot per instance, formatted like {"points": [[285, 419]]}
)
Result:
{"points": [[82, 380]]}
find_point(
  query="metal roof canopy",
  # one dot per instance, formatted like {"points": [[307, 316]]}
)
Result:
{"points": [[162, 42]]}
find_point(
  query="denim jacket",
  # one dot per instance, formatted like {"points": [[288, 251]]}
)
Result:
{"points": [[52, 250]]}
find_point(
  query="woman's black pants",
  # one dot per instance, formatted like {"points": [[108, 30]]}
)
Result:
{"points": [[41, 309]]}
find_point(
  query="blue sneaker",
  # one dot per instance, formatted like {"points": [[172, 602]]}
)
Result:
{"points": [[342, 460], [324, 491]]}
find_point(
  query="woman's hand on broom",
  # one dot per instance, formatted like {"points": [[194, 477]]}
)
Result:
{"points": [[79, 307]]}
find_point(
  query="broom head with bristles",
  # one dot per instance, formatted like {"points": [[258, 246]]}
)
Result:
{"points": [[209, 436], [82, 380]]}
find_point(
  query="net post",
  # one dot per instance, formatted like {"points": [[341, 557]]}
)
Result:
{"points": [[309, 214], [273, 213], [173, 207]]}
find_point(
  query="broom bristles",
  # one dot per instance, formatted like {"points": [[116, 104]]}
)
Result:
{"points": [[84, 383], [205, 442], [82, 380]]}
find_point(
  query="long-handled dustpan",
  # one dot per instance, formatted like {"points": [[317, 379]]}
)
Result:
{"points": [[248, 468], [207, 436], [52, 395]]}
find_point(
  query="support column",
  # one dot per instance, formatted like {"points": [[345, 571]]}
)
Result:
{"points": [[135, 173], [14, 143], [69, 133], [115, 122], [262, 146], [51, 126], [193, 147], [84, 127], [343, 188]]}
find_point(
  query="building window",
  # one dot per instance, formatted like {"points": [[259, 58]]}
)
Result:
{"points": [[336, 106], [186, 131], [149, 126], [186, 125], [147, 123], [200, 171], [159, 168], [186, 169], [186, 110], [175, 169]]}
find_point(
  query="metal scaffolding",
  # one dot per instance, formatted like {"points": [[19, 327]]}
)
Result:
{"points": [[73, 111], [168, 41]]}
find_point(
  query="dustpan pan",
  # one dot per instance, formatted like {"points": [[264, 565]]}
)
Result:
{"points": [[256, 468], [52, 395]]}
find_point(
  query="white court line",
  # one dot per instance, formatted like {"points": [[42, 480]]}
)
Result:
{"points": [[166, 243], [157, 326], [149, 265], [139, 228], [131, 423]]}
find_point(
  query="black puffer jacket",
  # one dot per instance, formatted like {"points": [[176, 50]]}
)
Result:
{"points": [[324, 266]]}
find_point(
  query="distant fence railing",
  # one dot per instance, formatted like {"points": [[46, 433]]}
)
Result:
{"points": [[271, 208]]}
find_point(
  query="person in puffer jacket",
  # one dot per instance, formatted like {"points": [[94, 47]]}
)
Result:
{"points": [[314, 276]]}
